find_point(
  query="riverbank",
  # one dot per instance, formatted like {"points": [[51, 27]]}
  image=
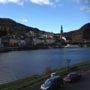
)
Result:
{"points": [[37, 47], [30, 82], [7, 49]]}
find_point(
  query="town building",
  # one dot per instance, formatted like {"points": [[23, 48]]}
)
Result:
{"points": [[62, 37]]}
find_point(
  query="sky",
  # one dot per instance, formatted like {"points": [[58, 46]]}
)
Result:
{"points": [[47, 15]]}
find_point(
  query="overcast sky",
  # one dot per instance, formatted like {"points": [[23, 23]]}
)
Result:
{"points": [[47, 15]]}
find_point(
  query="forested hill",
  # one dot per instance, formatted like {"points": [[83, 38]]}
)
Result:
{"points": [[13, 27], [80, 35]]}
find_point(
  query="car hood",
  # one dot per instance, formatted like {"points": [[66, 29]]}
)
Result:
{"points": [[44, 86], [67, 78]]}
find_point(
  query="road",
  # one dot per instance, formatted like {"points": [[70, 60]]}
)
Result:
{"points": [[83, 84]]}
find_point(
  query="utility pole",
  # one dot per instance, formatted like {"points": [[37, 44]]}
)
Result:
{"points": [[68, 61]]}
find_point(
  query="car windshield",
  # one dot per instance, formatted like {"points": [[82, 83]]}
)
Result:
{"points": [[74, 74], [48, 82], [51, 80]]}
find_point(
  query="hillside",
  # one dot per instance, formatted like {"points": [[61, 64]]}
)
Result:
{"points": [[12, 27], [86, 31], [80, 35]]}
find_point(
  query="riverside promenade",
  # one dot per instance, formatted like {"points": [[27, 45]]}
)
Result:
{"points": [[83, 84], [35, 82]]}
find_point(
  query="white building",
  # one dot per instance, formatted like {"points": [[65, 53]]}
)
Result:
{"points": [[37, 41]]}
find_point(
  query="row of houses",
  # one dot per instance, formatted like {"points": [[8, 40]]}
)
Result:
{"points": [[10, 42], [30, 39]]}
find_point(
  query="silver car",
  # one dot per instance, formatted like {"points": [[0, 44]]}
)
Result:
{"points": [[53, 83]]}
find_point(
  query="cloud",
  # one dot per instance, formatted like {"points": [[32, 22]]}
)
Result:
{"points": [[40, 2], [85, 9], [77, 1], [19, 2], [85, 2], [53, 3], [84, 5], [24, 20]]}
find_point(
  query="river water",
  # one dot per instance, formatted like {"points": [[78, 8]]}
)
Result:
{"points": [[20, 64]]}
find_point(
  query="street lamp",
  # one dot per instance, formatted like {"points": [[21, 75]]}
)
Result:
{"points": [[68, 64]]}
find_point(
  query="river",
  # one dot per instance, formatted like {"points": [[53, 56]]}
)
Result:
{"points": [[20, 64]]}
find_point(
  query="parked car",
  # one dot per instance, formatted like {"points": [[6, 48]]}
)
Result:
{"points": [[53, 83], [71, 77]]}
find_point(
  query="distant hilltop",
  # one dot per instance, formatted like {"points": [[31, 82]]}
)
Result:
{"points": [[12, 27], [6, 21], [81, 35]]}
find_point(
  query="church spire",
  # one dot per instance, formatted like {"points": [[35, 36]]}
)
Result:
{"points": [[61, 29]]}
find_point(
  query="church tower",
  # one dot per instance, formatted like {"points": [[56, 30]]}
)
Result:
{"points": [[61, 29], [61, 32]]}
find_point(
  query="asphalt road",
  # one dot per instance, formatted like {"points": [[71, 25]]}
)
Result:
{"points": [[83, 84]]}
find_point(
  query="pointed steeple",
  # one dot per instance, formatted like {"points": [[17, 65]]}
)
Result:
{"points": [[61, 29]]}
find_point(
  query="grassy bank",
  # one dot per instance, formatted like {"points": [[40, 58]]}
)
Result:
{"points": [[32, 82]]}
